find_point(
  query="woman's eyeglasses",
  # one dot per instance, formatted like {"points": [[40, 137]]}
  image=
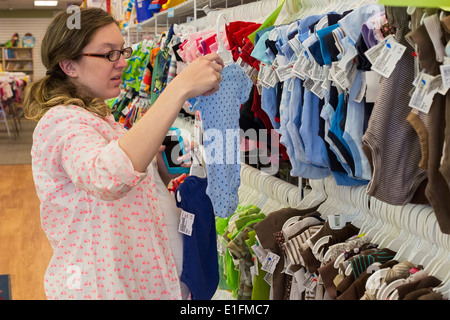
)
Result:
{"points": [[113, 55]]}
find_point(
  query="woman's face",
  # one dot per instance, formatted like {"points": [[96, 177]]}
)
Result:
{"points": [[99, 76]]}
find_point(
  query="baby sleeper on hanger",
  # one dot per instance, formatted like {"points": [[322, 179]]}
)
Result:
{"points": [[220, 113], [200, 261]]}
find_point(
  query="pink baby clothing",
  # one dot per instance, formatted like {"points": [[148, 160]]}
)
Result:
{"points": [[103, 219]]}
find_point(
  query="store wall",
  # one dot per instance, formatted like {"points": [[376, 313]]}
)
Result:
{"points": [[35, 26]]}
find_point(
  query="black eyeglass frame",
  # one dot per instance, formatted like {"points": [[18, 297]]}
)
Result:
{"points": [[108, 55]]}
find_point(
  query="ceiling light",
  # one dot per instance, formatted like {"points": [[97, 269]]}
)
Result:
{"points": [[45, 3]]}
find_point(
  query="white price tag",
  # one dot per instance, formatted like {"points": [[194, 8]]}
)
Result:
{"points": [[285, 72], [445, 74], [259, 252], [186, 223], [296, 45], [298, 67], [373, 53], [362, 88], [317, 89], [270, 262], [387, 60], [308, 84], [310, 282], [422, 98]]}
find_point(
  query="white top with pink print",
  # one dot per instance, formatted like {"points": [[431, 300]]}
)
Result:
{"points": [[103, 219]]}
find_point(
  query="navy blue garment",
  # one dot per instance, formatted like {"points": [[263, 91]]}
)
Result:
{"points": [[200, 261]]}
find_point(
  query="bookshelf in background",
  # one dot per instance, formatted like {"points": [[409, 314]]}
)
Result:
{"points": [[17, 59]]}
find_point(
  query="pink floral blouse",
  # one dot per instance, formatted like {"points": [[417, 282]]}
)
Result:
{"points": [[103, 219]]}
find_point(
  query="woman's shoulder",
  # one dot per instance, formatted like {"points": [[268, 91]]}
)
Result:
{"points": [[69, 113]]}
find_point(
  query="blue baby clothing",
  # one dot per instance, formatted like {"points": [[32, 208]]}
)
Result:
{"points": [[220, 116], [354, 130], [200, 261]]}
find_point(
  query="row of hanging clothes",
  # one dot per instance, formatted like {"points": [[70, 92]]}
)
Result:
{"points": [[338, 243], [325, 84], [337, 84], [12, 86]]}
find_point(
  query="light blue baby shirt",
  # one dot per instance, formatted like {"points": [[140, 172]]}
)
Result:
{"points": [[220, 116]]}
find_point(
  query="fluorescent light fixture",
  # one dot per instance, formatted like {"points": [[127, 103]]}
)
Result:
{"points": [[45, 3]]}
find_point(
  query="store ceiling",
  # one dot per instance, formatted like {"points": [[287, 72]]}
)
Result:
{"points": [[29, 4]]}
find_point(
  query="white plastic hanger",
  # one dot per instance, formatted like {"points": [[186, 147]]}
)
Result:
{"points": [[387, 289], [198, 166], [429, 232], [222, 51]]}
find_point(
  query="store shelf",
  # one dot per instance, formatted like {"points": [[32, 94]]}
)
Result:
{"points": [[17, 59], [190, 8]]}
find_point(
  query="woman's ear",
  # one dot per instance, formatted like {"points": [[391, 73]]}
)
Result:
{"points": [[68, 67]]}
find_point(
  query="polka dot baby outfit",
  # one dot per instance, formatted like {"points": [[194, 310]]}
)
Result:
{"points": [[220, 116], [103, 219]]}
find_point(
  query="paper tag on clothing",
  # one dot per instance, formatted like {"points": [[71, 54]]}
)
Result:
{"points": [[268, 278], [362, 89], [373, 85], [316, 72], [351, 54], [270, 262], [259, 252], [285, 72], [271, 78], [317, 89], [341, 79], [186, 223], [125, 111], [308, 84], [388, 58], [297, 69], [310, 282], [252, 273], [255, 264], [300, 277], [373, 53], [295, 45], [445, 74], [262, 74], [421, 98]]}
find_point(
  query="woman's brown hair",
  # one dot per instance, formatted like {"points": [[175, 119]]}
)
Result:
{"points": [[63, 41]]}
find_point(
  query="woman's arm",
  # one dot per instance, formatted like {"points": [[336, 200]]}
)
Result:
{"points": [[143, 141]]}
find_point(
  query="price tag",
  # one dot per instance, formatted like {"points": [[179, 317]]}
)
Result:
{"points": [[125, 111], [270, 262], [422, 98], [351, 54], [317, 89], [298, 66], [186, 222], [285, 72], [268, 77], [387, 60], [259, 252], [445, 73], [296, 45], [310, 282], [362, 88], [300, 277], [373, 53], [308, 84]]}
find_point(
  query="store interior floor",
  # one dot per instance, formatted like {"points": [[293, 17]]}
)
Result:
{"points": [[24, 249]]}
